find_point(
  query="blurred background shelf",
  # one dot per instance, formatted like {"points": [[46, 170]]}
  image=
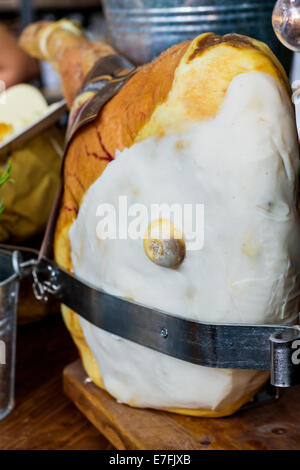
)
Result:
{"points": [[14, 5], [17, 14]]}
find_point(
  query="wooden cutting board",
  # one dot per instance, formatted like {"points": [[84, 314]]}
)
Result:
{"points": [[272, 426]]}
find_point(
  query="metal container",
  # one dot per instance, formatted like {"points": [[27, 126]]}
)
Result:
{"points": [[142, 29], [9, 289]]}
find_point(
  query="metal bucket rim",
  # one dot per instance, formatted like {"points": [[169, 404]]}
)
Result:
{"points": [[189, 10]]}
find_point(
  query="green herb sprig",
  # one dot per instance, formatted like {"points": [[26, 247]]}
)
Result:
{"points": [[4, 177]]}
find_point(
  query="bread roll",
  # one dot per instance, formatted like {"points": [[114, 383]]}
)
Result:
{"points": [[64, 44]]}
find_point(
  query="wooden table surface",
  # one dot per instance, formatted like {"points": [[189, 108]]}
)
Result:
{"points": [[272, 426], [43, 417]]}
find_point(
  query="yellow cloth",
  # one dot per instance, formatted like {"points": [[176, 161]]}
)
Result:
{"points": [[28, 200]]}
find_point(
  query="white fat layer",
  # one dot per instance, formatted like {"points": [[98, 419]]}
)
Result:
{"points": [[243, 166]]}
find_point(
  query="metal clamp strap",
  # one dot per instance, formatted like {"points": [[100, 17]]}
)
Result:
{"points": [[235, 346]]}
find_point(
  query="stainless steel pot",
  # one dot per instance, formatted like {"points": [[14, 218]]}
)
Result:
{"points": [[142, 29]]}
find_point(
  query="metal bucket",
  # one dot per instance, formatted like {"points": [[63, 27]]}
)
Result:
{"points": [[9, 289], [142, 29]]}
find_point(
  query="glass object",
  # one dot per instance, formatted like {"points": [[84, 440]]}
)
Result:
{"points": [[9, 288], [286, 23]]}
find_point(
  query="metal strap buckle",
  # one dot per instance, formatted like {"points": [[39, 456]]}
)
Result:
{"points": [[25, 268], [41, 289]]}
